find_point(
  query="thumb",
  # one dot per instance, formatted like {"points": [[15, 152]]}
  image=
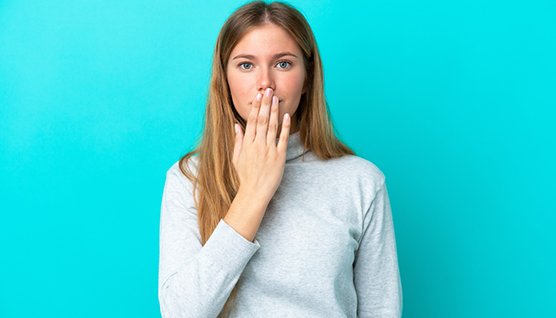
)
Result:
{"points": [[237, 143]]}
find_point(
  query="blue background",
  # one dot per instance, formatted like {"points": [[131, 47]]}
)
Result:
{"points": [[454, 101]]}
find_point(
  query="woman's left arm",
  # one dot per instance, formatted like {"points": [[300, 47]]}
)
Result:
{"points": [[376, 273]]}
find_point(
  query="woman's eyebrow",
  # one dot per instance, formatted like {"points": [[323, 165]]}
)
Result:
{"points": [[275, 56]]}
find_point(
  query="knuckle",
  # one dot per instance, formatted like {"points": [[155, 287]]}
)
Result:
{"points": [[252, 116], [262, 120]]}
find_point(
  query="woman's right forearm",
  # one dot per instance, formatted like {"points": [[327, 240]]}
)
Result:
{"points": [[246, 213]]}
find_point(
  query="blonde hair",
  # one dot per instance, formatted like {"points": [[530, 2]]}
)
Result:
{"points": [[216, 181]]}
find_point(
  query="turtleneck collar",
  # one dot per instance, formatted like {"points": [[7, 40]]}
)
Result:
{"points": [[295, 146]]}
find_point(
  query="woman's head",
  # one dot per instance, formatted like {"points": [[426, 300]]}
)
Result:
{"points": [[267, 56], [247, 61]]}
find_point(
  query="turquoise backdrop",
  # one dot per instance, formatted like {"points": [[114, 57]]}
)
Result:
{"points": [[454, 101]]}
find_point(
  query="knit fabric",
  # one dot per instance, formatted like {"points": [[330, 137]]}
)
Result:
{"points": [[325, 248]]}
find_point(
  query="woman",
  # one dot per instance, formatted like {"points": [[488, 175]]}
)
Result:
{"points": [[272, 216]]}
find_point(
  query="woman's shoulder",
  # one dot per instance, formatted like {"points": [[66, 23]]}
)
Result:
{"points": [[360, 167], [175, 171]]}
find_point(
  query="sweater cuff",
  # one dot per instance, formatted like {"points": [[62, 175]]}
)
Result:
{"points": [[229, 248]]}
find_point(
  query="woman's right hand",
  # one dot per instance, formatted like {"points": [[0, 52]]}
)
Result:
{"points": [[257, 159]]}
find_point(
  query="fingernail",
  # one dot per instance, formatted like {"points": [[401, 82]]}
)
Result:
{"points": [[274, 99], [259, 95], [268, 91]]}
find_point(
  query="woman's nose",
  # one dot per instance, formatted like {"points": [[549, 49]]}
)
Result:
{"points": [[265, 81]]}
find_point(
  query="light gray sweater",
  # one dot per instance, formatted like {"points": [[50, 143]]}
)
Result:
{"points": [[325, 247]]}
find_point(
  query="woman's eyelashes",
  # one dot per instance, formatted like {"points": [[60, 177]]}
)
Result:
{"points": [[281, 65]]}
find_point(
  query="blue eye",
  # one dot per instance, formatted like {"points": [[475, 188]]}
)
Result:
{"points": [[244, 64], [284, 62]]}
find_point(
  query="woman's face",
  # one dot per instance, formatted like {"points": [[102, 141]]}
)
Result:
{"points": [[267, 56]]}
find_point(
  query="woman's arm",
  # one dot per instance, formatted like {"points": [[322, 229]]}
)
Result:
{"points": [[195, 280], [376, 274]]}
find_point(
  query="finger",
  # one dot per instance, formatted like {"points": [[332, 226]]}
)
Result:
{"points": [[237, 143], [273, 122], [262, 119], [284, 134], [252, 118]]}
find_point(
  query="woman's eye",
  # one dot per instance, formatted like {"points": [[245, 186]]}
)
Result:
{"points": [[240, 65], [284, 64]]}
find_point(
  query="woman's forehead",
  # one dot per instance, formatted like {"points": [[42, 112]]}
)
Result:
{"points": [[265, 42]]}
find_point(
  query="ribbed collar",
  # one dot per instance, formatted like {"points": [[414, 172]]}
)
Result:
{"points": [[295, 147]]}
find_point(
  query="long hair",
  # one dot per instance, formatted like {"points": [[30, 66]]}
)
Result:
{"points": [[217, 182]]}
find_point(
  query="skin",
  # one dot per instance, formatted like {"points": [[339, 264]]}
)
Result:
{"points": [[259, 163], [260, 152], [248, 76]]}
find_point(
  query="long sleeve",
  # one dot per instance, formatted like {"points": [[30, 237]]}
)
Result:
{"points": [[376, 273], [195, 280]]}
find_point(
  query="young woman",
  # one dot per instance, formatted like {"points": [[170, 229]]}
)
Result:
{"points": [[271, 215]]}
